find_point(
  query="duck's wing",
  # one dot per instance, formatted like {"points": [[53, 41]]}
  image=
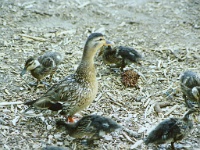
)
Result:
{"points": [[67, 90]]}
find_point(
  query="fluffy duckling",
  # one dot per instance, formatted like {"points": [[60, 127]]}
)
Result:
{"points": [[190, 86], [75, 92], [119, 55], [43, 66], [91, 127], [171, 130]]}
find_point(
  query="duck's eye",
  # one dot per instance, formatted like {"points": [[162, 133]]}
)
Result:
{"points": [[100, 39]]}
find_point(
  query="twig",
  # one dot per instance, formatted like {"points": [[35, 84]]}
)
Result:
{"points": [[127, 137], [145, 105], [33, 38], [130, 132], [171, 110], [159, 105], [10, 103], [138, 143]]}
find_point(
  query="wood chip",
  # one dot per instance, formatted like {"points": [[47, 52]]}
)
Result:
{"points": [[33, 38], [171, 110]]}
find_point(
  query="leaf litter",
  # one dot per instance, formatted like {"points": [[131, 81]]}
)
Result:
{"points": [[168, 43]]}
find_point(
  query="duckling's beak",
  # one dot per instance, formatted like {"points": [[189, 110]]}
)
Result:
{"points": [[23, 72], [108, 43]]}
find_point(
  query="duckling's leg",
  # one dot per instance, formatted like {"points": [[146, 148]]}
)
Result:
{"points": [[188, 104], [35, 83], [51, 76], [172, 145], [88, 142], [199, 104], [123, 65]]}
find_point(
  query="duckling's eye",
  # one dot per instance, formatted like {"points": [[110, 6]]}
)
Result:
{"points": [[100, 39]]}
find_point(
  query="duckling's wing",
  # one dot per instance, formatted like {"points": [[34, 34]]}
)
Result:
{"points": [[129, 53], [57, 57], [162, 133], [190, 79]]}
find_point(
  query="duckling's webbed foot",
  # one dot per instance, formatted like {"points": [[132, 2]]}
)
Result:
{"points": [[189, 104], [33, 84], [87, 142], [45, 84], [172, 145], [39, 84]]}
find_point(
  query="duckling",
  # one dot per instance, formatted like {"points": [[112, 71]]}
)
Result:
{"points": [[190, 86], [91, 127], [119, 55], [43, 66], [171, 130], [76, 91]]}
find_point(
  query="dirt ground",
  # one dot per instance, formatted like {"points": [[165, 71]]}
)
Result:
{"points": [[167, 33]]}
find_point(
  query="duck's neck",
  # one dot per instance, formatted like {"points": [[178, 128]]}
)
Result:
{"points": [[86, 69]]}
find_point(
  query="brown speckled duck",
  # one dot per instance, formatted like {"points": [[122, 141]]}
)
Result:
{"points": [[91, 127], [190, 86], [75, 92], [170, 130], [43, 66], [119, 55]]}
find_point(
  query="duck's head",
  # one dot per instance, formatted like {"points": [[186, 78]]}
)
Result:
{"points": [[30, 64], [94, 42]]}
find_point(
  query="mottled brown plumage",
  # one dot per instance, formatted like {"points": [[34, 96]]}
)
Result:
{"points": [[190, 86], [170, 130], [89, 127], [77, 91], [120, 56], [43, 66]]}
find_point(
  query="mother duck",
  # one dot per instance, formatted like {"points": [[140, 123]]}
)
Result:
{"points": [[77, 91]]}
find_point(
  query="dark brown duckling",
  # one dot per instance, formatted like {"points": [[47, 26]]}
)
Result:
{"points": [[91, 127], [43, 66], [120, 56], [171, 130], [190, 86], [77, 91]]}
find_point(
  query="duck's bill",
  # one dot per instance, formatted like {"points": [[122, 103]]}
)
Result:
{"points": [[23, 72], [109, 43]]}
